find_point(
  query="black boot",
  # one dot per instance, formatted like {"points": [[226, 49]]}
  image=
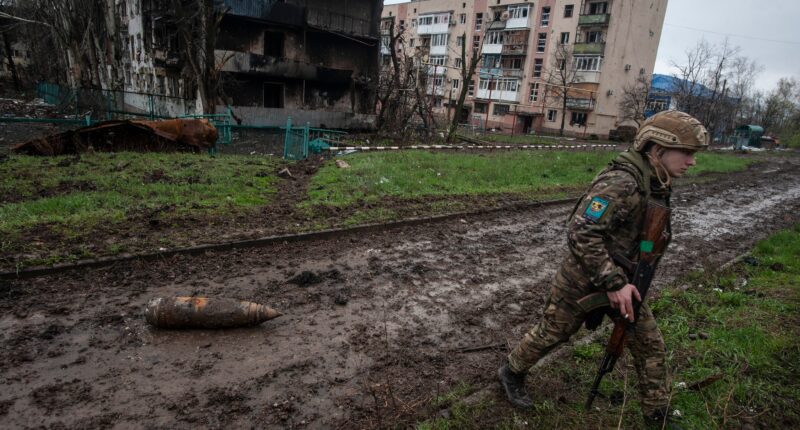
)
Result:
{"points": [[514, 384], [661, 420]]}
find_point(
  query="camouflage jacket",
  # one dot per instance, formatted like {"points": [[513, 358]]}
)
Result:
{"points": [[607, 222]]}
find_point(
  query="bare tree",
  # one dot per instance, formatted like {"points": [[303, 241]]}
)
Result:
{"points": [[561, 77], [401, 89], [633, 102], [468, 66], [198, 23]]}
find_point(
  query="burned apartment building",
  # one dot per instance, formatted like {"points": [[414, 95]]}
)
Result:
{"points": [[312, 60]]}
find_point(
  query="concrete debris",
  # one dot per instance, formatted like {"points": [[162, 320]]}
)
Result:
{"points": [[192, 135], [342, 164]]}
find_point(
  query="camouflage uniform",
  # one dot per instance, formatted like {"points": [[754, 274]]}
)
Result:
{"points": [[606, 222]]}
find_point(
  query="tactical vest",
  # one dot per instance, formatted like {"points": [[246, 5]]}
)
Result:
{"points": [[634, 164]]}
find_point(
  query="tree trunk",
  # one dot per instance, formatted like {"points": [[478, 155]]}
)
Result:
{"points": [[11, 66]]}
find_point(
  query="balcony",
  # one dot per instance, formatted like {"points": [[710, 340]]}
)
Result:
{"points": [[271, 10], [593, 20], [245, 62], [490, 72], [517, 23], [512, 73], [441, 26], [580, 104], [493, 48], [587, 77], [435, 91], [514, 49], [597, 48], [438, 50], [506, 96]]}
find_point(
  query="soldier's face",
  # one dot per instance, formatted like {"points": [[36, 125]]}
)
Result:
{"points": [[677, 161]]}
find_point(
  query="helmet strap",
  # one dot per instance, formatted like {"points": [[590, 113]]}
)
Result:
{"points": [[659, 168]]}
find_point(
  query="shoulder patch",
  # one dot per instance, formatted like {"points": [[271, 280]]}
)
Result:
{"points": [[597, 207]]}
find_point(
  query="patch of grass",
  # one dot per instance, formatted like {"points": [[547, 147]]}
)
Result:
{"points": [[370, 216], [736, 330], [414, 174], [716, 162], [519, 140], [100, 188]]}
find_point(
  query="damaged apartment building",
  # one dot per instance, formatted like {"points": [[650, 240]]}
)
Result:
{"points": [[524, 44], [312, 60]]}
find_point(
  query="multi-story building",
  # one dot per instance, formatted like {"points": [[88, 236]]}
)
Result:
{"points": [[313, 60], [607, 43]]}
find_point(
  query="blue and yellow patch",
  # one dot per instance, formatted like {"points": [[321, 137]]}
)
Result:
{"points": [[597, 207]]}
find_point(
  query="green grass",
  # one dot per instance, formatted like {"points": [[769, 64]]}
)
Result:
{"points": [[72, 195], [715, 162], [739, 325], [519, 140], [415, 174]]}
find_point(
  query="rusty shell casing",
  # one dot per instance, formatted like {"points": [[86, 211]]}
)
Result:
{"points": [[205, 312]]}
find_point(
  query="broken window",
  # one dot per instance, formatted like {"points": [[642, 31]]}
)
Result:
{"points": [[551, 115], [565, 38], [500, 110], [599, 8], [541, 43], [273, 95], [578, 118], [480, 107], [537, 68], [457, 62], [471, 88], [456, 83], [462, 18], [518, 11], [568, 10], [273, 44], [545, 16], [594, 36], [478, 21]]}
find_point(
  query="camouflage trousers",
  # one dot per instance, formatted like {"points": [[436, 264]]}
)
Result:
{"points": [[562, 318]]}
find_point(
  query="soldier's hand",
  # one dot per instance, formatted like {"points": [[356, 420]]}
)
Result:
{"points": [[622, 300]]}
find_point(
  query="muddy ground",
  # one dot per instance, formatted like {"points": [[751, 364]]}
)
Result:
{"points": [[368, 338]]}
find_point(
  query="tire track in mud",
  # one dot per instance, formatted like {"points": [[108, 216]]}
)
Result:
{"points": [[413, 296]]}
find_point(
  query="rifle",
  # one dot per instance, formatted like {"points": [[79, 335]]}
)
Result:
{"points": [[653, 240]]}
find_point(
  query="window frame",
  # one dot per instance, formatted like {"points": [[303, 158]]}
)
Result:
{"points": [[533, 95], [545, 19]]}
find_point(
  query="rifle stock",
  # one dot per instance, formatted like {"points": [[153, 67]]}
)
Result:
{"points": [[653, 240]]}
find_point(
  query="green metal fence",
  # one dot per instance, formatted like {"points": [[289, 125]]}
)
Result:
{"points": [[298, 140], [92, 106], [114, 104]]}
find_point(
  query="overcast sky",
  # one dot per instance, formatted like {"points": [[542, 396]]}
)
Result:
{"points": [[767, 31]]}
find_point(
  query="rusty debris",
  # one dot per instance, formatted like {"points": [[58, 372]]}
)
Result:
{"points": [[192, 135], [205, 312]]}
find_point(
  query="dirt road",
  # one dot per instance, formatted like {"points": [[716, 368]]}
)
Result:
{"points": [[368, 338]]}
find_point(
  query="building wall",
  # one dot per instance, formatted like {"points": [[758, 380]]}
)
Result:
{"points": [[631, 36]]}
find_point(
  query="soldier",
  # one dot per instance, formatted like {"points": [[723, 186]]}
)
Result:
{"points": [[603, 232]]}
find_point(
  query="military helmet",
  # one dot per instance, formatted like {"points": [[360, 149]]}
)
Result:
{"points": [[672, 129]]}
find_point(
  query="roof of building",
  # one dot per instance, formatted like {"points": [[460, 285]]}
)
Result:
{"points": [[672, 84]]}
